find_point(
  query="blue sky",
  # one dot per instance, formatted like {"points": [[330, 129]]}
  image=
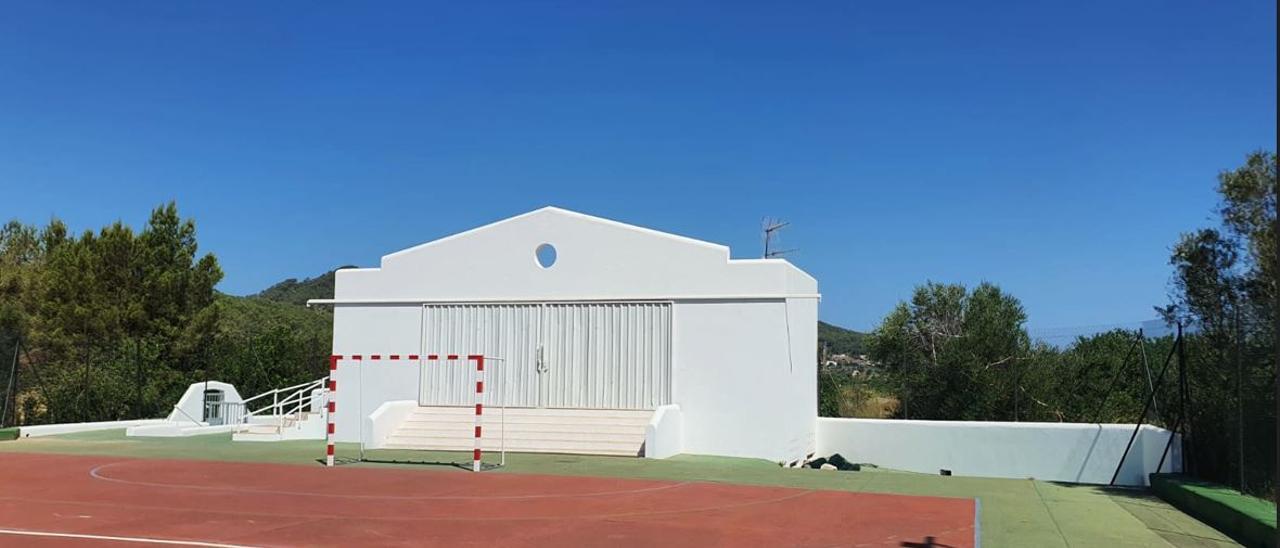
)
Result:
{"points": [[1056, 149]]}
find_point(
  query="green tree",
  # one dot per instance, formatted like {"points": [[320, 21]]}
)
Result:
{"points": [[954, 354], [1221, 274], [1224, 286], [84, 303], [21, 252]]}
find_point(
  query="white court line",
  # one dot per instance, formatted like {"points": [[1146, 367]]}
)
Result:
{"points": [[143, 540]]}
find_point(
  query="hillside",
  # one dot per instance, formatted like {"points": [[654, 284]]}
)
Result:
{"points": [[281, 306], [841, 340], [272, 339], [292, 291]]}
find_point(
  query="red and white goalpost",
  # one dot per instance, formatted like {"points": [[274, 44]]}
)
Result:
{"points": [[476, 361]]}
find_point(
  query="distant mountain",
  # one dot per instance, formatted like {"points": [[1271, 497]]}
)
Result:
{"points": [[283, 307], [292, 291], [840, 340]]}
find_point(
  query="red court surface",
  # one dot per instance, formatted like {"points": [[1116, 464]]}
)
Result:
{"points": [[57, 500]]}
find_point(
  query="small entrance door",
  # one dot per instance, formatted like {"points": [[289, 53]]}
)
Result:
{"points": [[213, 407]]}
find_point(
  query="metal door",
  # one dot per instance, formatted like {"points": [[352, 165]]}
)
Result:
{"points": [[560, 355], [213, 407], [509, 332], [605, 356]]}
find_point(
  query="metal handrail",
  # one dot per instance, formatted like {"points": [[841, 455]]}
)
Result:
{"points": [[301, 388], [279, 390], [184, 413], [233, 412], [278, 406], [282, 407]]}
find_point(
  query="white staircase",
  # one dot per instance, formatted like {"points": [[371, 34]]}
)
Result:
{"points": [[581, 431], [304, 425], [292, 413]]}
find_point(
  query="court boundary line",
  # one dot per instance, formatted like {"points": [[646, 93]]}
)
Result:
{"points": [[977, 522], [112, 538]]}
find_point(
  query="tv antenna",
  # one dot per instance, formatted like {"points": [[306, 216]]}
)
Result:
{"points": [[770, 227]]}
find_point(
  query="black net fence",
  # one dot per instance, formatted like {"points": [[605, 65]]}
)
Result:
{"points": [[1225, 405]]}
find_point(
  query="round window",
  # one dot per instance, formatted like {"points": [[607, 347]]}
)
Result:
{"points": [[546, 254]]}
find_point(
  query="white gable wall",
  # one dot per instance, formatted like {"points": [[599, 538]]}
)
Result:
{"points": [[745, 385], [596, 259]]}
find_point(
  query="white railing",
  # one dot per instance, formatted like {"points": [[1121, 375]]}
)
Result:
{"points": [[286, 402], [232, 412]]}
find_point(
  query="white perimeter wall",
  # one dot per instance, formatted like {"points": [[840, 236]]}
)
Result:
{"points": [[745, 387], [1070, 452], [71, 428]]}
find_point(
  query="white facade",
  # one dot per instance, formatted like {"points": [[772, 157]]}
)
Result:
{"points": [[625, 318]]}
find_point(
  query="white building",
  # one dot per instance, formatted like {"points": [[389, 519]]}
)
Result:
{"points": [[629, 334]]}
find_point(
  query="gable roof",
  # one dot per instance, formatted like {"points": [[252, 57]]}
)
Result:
{"points": [[597, 259], [553, 210]]}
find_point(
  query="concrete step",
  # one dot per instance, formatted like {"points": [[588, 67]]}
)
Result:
{"points": [[522, 420], [540, 412], [257, 436], [262, 429], [581, 431], [467, 428], [599, 448], [520, 435]]}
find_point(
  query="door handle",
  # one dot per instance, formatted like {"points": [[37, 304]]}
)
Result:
{"points": [[541, 363]]}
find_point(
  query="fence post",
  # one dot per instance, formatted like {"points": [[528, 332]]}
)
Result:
{"points": [[10, 386], [84, 390], [1177, 345], [137, 365], [1016, 383], [1186, 396], [1182, 393], [44, 389], [1116, 376]]}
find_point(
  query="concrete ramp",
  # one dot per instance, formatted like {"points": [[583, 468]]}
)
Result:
{"points": [[579, 431]]}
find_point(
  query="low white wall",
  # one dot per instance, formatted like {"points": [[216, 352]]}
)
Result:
{"points": [[1069, 452], [664, 435], [384, 420], [170, 429], [71, 428]]}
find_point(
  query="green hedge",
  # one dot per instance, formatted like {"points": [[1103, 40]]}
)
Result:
{"points": [[7, 434], [1249, 520]]}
